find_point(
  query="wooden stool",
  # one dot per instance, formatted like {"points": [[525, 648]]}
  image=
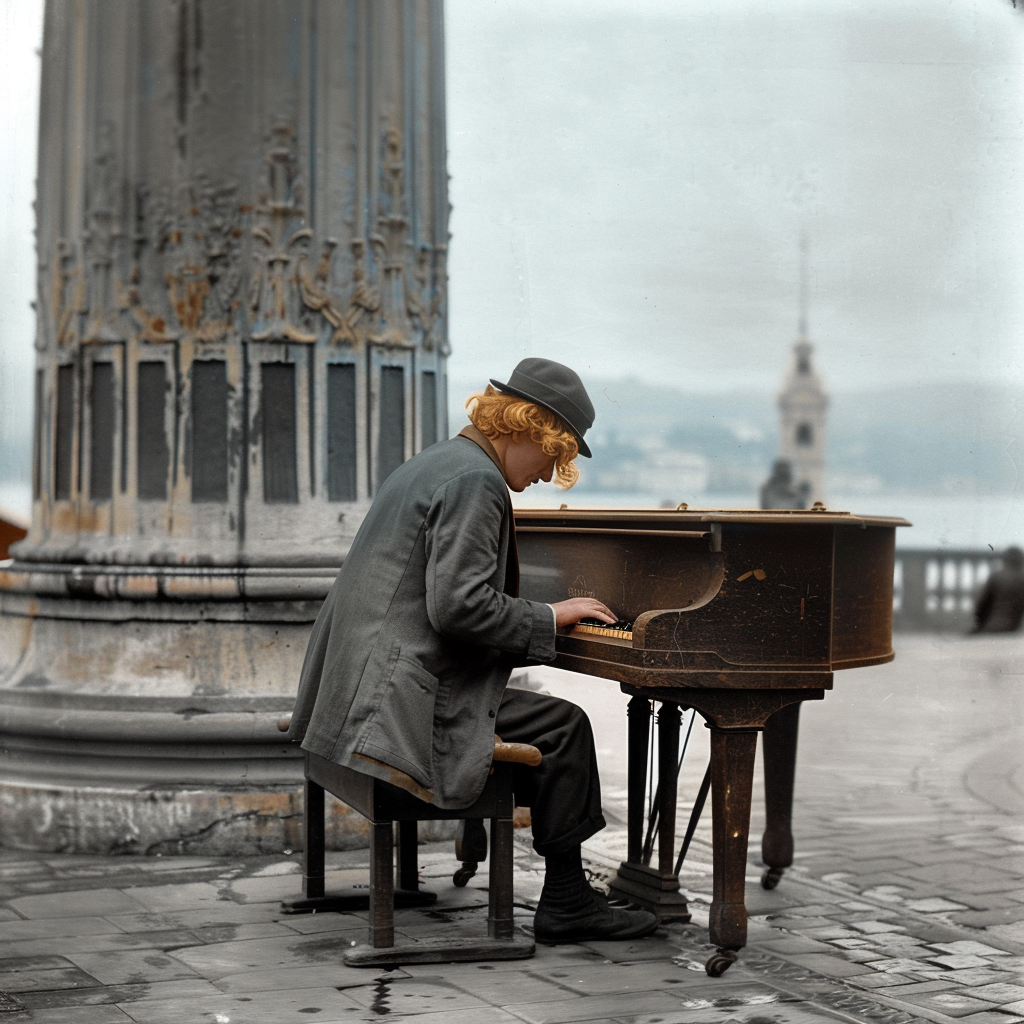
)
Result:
{"points": [[384, 803]]}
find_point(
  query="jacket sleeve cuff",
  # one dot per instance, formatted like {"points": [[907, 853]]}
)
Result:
{"points": [[542, 636]]}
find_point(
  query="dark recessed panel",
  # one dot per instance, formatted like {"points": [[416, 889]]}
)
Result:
{"points": [[63, 460], [209, 431], [153, 453], [428, 419], [101, 432], [391, 439], [341, 432], [277, 408]]}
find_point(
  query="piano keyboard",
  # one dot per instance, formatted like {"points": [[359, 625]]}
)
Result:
{"points": [[621, 630]]}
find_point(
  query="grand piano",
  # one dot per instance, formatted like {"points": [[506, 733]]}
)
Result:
{"points": [[740, 615]]}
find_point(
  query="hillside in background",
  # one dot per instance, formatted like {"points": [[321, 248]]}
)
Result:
{"points": [[936, 439], [933, 440]]}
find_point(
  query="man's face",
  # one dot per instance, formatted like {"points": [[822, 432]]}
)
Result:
{"points": [[526, 463]]}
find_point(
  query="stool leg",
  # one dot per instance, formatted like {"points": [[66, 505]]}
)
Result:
{"points": [[382, 884], [408, 856], [499, 907], [313, 853]]}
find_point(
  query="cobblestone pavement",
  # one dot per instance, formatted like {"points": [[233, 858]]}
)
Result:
{"points": [[906, 903]]}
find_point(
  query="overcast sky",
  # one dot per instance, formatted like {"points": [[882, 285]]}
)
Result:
{"points": [[630, 179]]}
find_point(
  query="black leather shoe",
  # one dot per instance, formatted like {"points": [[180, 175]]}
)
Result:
{"points": [[601, 921]]}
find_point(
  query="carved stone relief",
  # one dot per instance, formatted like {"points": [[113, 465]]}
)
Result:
{"points": [[278, 307], [195, 235]]}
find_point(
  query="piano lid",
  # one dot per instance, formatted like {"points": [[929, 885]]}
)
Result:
{"points": [[692, 518]]}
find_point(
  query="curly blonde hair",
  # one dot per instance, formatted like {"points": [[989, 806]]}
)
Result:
{"points": [[494, 414]]}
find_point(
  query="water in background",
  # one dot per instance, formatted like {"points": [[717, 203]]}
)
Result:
{"points": [[956, 521]]}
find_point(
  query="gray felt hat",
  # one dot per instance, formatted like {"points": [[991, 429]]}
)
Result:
{"points": [[558, 389]]}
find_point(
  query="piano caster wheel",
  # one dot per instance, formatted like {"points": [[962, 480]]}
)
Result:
{"points": [[771, 877], [464, 874], [719, 962]]}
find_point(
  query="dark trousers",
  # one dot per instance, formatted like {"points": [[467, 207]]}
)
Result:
{"points": [[564, 791]]}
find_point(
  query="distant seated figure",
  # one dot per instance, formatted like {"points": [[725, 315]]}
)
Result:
{"points": [[779, 491], [1000, 605]]}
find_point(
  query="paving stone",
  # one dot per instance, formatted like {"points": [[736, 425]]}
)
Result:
{"points": [[860, 956], [232, 932], [590, 979], [334, 975], [956, 961], [501, 987], [208, 916], [875, 927], [75, 1015], [833, 931], [226, 958], [472, 1015], [951, 1003], [830, 966], [992, 1017], [969, 946], [190, 896], [902, 965], [311, 924], [42, 980], [81, 903], [129, 967], [975, 976], [67, 945], [62, 926], [999, 993], [804, 923], [14, 964], [795, 944], [985, 918], [544, 960], [290, 1007], [795, 1013], [654, 947], [934, 905], [939, 985], [594, 1008], [120, 993], [414, 995], [873, 981]]}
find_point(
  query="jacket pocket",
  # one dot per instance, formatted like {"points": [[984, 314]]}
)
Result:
{"points": [[401, 730]]}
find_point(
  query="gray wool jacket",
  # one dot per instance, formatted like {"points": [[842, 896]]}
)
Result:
{"points": [[410, 654]]}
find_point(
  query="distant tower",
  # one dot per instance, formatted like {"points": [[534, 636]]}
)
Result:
{"points": [[802, 404]]}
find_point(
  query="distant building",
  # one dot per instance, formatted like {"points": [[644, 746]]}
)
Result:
{"points": [[802, 405], [778, 491]]}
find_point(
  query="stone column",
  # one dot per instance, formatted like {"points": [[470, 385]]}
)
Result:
{"points": [[242, 230]]}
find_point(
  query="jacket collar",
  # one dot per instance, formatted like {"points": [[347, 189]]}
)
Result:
{"points": [[478, 437]]}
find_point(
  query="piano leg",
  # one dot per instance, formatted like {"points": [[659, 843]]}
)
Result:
{"points": [[780, 736], [654, 889], [732, 777], [668, 780], [638, 713]]}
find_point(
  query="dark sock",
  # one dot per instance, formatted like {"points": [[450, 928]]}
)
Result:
{"points": [[566, 890]]}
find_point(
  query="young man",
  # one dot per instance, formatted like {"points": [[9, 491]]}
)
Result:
{"points": [[407, 663]]}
